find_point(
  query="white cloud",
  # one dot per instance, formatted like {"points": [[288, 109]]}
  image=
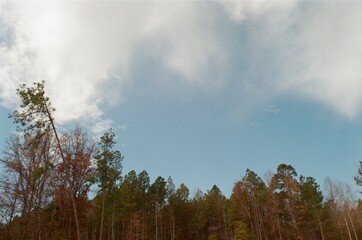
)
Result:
{"points": [[101, 127], [78, 46], [189, 33], [124, 127], [309, 49], [242, 10], [331, 57]]}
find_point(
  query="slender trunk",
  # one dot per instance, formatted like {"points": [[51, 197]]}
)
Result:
{"points": [[340, 229], [113, 233], [345, 221], [63, 158], [102, 216], [39, 226], [173, 227], [297, 229], [353, 228], [31, 206], [25, 227], [12, 213], [143, 225], [257, 220], [75, 213], [225, 224], [260, 221], [123, 233], [39, 207], [156, 220], [25, 216], [280, 234], [321, 229], [161, 225], [70, 227]]}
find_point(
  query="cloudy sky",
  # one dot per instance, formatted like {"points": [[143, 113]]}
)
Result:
{"points": [[199, 90]]}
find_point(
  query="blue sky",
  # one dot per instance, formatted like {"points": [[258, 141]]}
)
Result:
{"points": [[197, 90]]}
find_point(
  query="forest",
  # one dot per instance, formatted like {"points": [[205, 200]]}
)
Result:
{"points": [[68, 185]]}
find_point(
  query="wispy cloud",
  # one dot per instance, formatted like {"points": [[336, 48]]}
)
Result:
{"points": [[101, 127], [84, 50]]}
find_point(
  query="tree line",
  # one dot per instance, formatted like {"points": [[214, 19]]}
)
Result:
{"points": [[69, 186]]}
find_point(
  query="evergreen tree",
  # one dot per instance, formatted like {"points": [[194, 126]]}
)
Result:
{"points": [[248, 199], [312, 200], [287, 202], [108, 172], [358, 177]]}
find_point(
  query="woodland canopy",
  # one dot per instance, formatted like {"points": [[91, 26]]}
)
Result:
{"points": [[47, 176]]}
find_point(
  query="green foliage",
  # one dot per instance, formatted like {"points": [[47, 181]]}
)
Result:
{"points": [[132, 191], [35, 113], [108, 161], [312, 202], [158, 191], [358, 177], [254, 186], [247, 204], [182, 193], [212, 236], [310, 192], [242, 232], [284, 179], [45, 193]]}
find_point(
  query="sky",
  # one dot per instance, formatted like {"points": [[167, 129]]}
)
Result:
{"points": [[197, 90]]}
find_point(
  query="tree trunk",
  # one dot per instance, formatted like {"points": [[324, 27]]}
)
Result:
{"points": [[225, 224], [345, 221], [63, 158], [280, 234], [173, 227], [123, 229], [353, 228], [102, 216], [321, 229], [156, 220], [143, 225], [12, 213], [113, 233], [75, 213], [161, 228]]}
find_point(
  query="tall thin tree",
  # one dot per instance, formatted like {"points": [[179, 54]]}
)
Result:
{"points": [[36, 115], [109, 168]]}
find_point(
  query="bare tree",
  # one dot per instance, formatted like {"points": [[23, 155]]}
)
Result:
{"points": [[343, 198], [75, 174], [36, 115], [28, 164]]}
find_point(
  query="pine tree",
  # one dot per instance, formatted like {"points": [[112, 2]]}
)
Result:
{"points": [[108, 173]]}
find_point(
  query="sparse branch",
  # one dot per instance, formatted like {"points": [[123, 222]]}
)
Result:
{"points": [[35, 115]]}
